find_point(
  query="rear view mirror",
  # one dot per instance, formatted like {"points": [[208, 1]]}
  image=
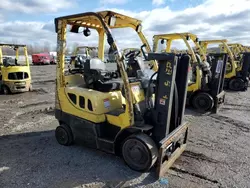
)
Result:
{"points": [[162, 41], [187, 37]]}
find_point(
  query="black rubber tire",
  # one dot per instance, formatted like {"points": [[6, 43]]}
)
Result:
{"points": [[203, 102], [236, 84], [5, 90], [139, 152], [64, 135], [30, 88]]}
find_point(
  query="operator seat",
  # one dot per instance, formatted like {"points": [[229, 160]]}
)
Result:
{"points": [[94, 76], [8, 61]]}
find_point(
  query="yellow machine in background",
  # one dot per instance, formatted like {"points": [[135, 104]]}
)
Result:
{"points": [[120, 115], [202, 95], [231, 64], [236, 48], [237, 77], [247, 48], [14, 76], [78, 59], [87, 50]]}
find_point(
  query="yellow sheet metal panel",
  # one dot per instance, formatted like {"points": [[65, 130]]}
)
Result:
{"points": [[101, 102]]}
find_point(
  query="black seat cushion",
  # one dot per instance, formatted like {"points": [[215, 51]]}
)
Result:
{"points": [[107, 86]]}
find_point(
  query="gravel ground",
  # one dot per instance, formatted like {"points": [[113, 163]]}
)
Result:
{"points": [[217, 154]]}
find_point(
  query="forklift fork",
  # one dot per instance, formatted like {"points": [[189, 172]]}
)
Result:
{"points": [[164, 163]]}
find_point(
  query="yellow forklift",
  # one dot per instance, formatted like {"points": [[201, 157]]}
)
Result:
{"points": [[237, 76], [237, 50], [205, 87], [141, 122], [15, 76], [87, 50], [77, 59], [247, 48]]}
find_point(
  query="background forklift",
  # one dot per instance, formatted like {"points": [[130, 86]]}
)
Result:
{"points": [[77, 59], [205, 88], [14, 76], [236, 49], [240, 51], [237, 76], [121, 116], [87, 51], [247, 48]]}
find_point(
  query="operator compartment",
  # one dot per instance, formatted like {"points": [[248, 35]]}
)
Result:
{"points": [[92, 89]]}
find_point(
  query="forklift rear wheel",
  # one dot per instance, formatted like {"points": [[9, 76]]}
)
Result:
{"points": [[236, 84], [5, 90], [203, 102], [139, 152], [64, 135]]}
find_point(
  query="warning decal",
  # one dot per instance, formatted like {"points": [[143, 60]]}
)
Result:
{"points": [[162, 101], [219, 66], [106, 103]]}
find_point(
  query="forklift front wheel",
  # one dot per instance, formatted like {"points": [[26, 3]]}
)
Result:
{"points": [[139, 152], [236, 84], [5, 90], [203, 102], [63, 135], [30, 88]]}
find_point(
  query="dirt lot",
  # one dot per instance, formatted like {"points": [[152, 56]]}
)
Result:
{"points": [[217, 154]]}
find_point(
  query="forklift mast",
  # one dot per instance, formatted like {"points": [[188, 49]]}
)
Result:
{"points": [[216, 83], [218, 72], [170, 99], [169, 131], [245, 71]]}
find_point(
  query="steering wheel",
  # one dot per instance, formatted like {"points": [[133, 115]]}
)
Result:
{"points": [[132, 53]]}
